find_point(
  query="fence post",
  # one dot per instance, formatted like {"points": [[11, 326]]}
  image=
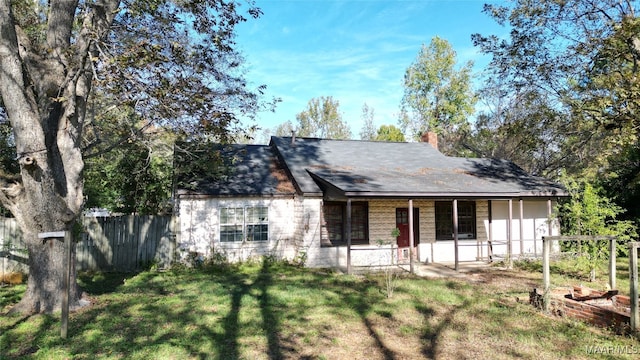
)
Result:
{"points": [[612, 263], [546, 249], [633, 284]]}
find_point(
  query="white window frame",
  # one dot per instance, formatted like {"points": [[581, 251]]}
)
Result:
{"points": [[239, 224]]}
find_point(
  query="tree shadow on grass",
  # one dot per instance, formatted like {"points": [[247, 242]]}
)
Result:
{"points": [[362, 296], [98, 283], [221, 313], [362, 304], [142, 317], [434, 334], [271, 319], [10, 295], [156, 313], [12, 338], [12, 341], [482, 318], [238, 285]]}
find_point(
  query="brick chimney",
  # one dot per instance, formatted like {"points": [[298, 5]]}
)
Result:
{"points": [[431, 138]]}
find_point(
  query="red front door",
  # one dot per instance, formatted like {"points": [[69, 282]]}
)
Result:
{"points": [[402, 223]]}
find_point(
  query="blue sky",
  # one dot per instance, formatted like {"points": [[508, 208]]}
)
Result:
{"points": [[353, 50]]}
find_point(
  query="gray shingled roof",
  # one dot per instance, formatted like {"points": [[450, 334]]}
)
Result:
{"points": [[369, 169], [250, 170]]}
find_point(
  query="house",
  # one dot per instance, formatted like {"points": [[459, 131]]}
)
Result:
{"points": [[337, 203]]}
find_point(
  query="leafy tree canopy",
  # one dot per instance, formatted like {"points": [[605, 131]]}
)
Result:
{"points": [[284, 129], [437, 96], [524, 127], [589, 212], [322, 118], [584, 54], [389, 133], [564, 85], [135, 177], [82, 78], [368, 131]]}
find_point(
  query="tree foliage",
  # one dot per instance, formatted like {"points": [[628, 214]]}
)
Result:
{"points": [[284, 129], [567, 80], [389, 133], [81, 78], [134, 178], [368, 131], [437, 96], [589, 212], [523, 127], [322, 118], [203, 163], [581, 54], [621, 180]]}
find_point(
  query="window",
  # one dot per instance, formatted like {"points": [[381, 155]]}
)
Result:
{"points": [[257, 224], [466, 220], [231, 223], [238, 224], [359, 224], [334, 219], [335, 223]]}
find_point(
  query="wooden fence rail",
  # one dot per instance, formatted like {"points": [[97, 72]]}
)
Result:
{"points": [[116, 243]]}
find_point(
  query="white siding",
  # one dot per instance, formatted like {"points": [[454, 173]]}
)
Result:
{"points": [[535, 224], [200, 228], [197, 227], [295, 230], [361, 255]]}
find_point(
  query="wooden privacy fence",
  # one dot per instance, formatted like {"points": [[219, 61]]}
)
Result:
{"points": [[13, 253], [115, 243]]}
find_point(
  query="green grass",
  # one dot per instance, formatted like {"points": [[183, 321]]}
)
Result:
{"points": [[272, 310]]}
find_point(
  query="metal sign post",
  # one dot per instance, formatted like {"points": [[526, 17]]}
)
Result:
{"points": [[66, 236]]}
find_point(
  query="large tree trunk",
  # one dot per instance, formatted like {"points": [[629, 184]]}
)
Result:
{"points": [[47, 203], [46, 278], [44, 93]]}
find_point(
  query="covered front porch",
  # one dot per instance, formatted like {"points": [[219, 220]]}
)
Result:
{"points": [[485, 230]]}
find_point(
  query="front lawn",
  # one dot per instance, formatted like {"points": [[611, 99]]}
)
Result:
{"points": [[271, 310]]}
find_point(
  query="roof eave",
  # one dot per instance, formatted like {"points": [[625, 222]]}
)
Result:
{"points": [[191, 195], [466, 195]]}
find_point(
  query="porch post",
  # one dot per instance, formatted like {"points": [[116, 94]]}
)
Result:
{"points": [[490, 242], [549, 225], [411, 236], [348, 231], [521, 226], [510, 235], [455, 231], [535, 236]]}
